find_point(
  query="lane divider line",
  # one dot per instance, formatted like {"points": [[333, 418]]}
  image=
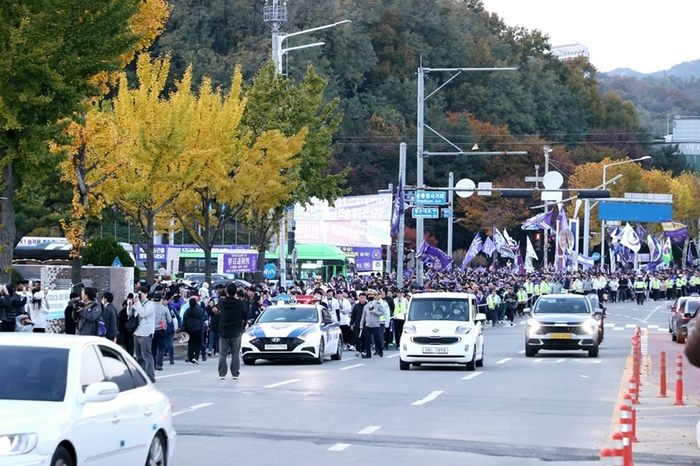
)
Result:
{"points": [[339, 447], [504, 360], [192, 408], [393, 356], [428, 398], [472, 375], [279, 384], [369, 430], [350, 367], [175, 375]]}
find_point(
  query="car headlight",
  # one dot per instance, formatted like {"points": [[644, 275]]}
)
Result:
{"points": [[533, 325], [17, 444], [463, 329], [409, 329], [589, 326]]}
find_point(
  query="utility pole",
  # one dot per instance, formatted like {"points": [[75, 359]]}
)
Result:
{"points": [[388, 248], [450, 224], [545, 247], [399, 241]]}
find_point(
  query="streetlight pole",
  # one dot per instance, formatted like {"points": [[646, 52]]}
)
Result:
{"points": [[545, 258], [450, 224], [399, 241], [602, 223]]}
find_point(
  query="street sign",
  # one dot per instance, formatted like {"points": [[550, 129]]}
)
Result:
{"points": [[269, 271], [425, 212], [468, 186], [484, 188], [596, 256], [293, 223], [431, 198], [117, 262], [445, 213]]}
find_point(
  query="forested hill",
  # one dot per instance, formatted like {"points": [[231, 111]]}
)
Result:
{"points": [[371, 66]]}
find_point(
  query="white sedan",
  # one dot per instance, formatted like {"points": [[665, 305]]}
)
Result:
{"points": [[442, 328], [67, 400], [293, 331]]}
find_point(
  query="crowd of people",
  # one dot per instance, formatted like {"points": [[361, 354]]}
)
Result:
{"points": [[369, 309]]}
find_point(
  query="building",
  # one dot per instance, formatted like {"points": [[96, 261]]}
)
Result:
{"points": [[570, 51], [685, 131]]}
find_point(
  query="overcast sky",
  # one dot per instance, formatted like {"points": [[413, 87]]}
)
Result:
{"points": [[644, 35]]}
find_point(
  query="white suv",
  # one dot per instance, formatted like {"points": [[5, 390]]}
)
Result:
{"points": [[442, 328]]}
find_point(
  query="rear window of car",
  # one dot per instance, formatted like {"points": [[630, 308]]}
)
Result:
{"points": [[439, 309], [32, 373], [692, 307], [567, 305], [288, 314]]}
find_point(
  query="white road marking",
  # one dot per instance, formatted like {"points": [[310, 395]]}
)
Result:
{"points": [[175, 375], [350, 367], [548, 361], [472, 375], [339, 447], [587, 361], [652, 326], [504, 360], [631, 326], [279, 384], [521, 352], [609, 325], [618, 328], [428, 398], [192, 408], [369, 430], [393, 355]]}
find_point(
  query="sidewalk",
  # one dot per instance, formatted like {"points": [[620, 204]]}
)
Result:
{"points": [[665, 431]]}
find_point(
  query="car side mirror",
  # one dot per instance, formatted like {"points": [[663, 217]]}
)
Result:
{"points": [[100, 392], [480, 317], [669, 307]]}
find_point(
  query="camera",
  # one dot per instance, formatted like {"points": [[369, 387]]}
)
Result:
{"points": [[79, 305]]}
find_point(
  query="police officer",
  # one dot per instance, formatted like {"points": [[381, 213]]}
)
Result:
{"points": [[400, 308], [639, 289], [522, 301]]}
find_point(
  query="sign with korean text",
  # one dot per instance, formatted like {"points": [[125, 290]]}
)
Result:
{"points": [[239, 263], [425, 212], [430, 198], [366, 259]]}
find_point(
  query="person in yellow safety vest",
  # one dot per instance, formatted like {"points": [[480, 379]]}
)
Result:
{"points": [[522, 301], [681, 285], [639, 289], [530, 290], [545, 288], [670, 285], [655, 285], [538, 289], [602, 285], [491, 307], [695, 283], [400, 308], [578, 286]]}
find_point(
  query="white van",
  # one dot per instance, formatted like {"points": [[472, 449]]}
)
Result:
{"points": [[442, 328]]}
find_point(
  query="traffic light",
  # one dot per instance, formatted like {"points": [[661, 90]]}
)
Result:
{"points": [[538, 241], [593, 193], [516, 193], [290, 237]]}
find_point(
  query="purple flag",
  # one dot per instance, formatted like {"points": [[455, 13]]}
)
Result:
{"points": [[474, 249], [397, 210], [677, 232], [433, 257], [640, 231], [541, 221], [489, 246]]}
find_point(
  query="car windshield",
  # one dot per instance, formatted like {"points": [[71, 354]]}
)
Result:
{"points": [[439, 309], [568, 305], [33, 373], [692, 307], [288, 314]]}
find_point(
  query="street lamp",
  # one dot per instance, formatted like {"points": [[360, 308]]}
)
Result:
{"points": [[602, 223]]}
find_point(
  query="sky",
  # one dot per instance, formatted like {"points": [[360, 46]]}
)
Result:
{"points": [[644, 35]]}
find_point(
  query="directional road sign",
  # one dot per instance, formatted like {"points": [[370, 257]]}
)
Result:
{"points": [[269, 271], [431, 197], [425, 212]]}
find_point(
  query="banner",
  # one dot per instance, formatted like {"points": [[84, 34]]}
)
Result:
{"points": [[366, 259], [476, 247], [530, 250], [433, 257], [667, 254], [676, 231], [541, 221], [629, 239], [397, 210], [239, 263]]}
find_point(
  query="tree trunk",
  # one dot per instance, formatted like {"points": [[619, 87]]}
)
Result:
{"points": [[77, 273], [7, 229], [207, 263], [150, 260]]}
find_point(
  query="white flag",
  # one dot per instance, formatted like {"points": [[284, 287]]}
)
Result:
{"points": [[530, 251], [629, 239]]}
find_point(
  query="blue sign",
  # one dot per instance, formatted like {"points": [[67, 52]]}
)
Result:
{"points": [[269, 271], [633, 212], [293, 223], [595, 256], [117, 262], [431, 198], [446, 213], [425, 212]]}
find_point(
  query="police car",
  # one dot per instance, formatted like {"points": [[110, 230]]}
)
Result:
{"points": [[442, 328], [293, 331]]}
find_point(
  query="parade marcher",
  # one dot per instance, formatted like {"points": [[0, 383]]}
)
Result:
{"points": [[399, 317], [345, 309], [492, 313], [356, 320], [522, 301], [613, 285], [511, 303], [144, 310], [391, 306], [639, 289], [370, 325], [232, 316]]}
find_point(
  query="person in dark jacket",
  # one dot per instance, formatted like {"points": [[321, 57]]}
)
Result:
{"points": [[355, 319], [109, 316], [69, 323], [8, 324], [231, 314], [16, 308], [255, 309], [692, 347], [87, 312], [192, 321], [125, 339], [174, 326]]}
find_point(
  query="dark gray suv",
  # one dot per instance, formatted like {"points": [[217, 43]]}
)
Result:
{"points": [[563, 322]]}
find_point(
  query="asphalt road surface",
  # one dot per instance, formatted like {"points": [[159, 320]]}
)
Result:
{"points": [[556, 408]]}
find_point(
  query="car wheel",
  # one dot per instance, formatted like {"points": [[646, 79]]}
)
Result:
{"points": [[248, 361], [530, 352], [156, 454], [480, 362], [673, 336], [61, 457], [680, 338], [471, 365], [593, 353], [339, 351], [321, 355], [403, 365]]}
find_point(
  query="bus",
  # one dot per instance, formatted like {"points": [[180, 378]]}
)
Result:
{"points": [[314, 260]]}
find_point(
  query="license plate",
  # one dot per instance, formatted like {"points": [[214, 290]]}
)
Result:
{"points": [[275, 347], [560, 336], [436, 350]]}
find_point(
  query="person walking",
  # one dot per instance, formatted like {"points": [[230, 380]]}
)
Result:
{"points": [[109, 317], [192, 321], [639, 290], [144, 309], [231, 315], [370, 325], [511, 303], [162, 319], [355, 320]]}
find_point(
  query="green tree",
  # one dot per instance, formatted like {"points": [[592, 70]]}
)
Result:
{"points": [[103, 251]]}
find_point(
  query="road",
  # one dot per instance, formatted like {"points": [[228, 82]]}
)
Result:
{"points": [[556, 408]]}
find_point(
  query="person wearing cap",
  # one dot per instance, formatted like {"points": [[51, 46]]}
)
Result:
{"points": [[370, 325], [400, 308], [639, 290]]}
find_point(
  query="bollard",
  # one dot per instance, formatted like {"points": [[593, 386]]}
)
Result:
{"points": [[628, 402], [618, 455], [606, 457], [626, 428], [679, 381], [662, 375], [633, 391]]}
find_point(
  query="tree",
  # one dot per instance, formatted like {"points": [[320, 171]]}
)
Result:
{"points": [[103, 251], [238, 178], [50, 54]]}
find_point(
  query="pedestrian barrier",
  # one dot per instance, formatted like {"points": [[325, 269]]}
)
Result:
{"points": [[618, 454], [626, 428], [662, 375], [679, 381], [634, 393], [627, 399], [606, 457]]}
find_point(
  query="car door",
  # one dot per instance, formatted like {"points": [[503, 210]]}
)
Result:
{"points": [[474, 310], [134, 420], [329, 335], [97, 432]]}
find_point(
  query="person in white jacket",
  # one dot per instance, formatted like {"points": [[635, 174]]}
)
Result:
{"points": [[39, 308], [345, 307]]}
